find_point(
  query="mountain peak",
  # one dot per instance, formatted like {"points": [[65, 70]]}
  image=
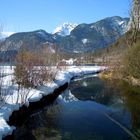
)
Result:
{"points": [[64, 29]]}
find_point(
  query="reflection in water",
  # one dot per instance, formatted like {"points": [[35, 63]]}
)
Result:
{"points": [[85, 84], [40, 126], [66, 97], [88, 118], [132, 102], [98, 91]]}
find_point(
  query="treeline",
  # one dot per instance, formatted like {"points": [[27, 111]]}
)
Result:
{"points": [[123, 56]]}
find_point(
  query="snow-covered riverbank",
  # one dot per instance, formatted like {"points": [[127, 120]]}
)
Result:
{"points": [[14, 101]]}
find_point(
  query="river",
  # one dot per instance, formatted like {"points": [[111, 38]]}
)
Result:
{"points": [[90, 109]]}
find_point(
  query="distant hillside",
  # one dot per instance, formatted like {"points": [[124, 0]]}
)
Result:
{"points": [[116, 51], [29, 40], [82, 38], [90, 37]]}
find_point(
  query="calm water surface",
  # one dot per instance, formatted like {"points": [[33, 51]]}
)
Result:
{"points": [[99, 111]]}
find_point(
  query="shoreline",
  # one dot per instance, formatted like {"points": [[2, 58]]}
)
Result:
{"points": [[63, 79], [24, 112], [108, 74]]}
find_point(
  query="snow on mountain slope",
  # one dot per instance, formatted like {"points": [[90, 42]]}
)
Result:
{"points": [[122, 23], [64, 29]]}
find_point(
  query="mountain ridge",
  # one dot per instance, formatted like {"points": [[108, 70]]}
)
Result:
{"points": [[89, 37], [83, 38]]}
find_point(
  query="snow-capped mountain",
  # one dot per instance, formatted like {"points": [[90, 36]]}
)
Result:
{"points": [[69, 38], [64, 29], [97, 35]]}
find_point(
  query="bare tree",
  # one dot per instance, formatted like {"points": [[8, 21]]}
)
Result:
{"points": [[134, 24]]}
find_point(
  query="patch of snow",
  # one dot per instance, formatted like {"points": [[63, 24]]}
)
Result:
{"points": [[84, 40], [7, 70], [92, 26], [52, 50], [34, 95], [76, 51], [42, 33], [48, 88], [5, 129], [123, 25], [69, 62], [84, 77], [121, 22]]}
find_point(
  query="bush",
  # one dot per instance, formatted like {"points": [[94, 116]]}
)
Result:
{"points": [[25, 72], [131, 61], [33, 69]]}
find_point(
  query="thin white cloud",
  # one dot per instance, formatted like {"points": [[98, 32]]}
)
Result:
{"points": [[6, 34]]}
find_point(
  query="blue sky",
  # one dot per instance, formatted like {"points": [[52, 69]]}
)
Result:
{"points": [[29, 15]]}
